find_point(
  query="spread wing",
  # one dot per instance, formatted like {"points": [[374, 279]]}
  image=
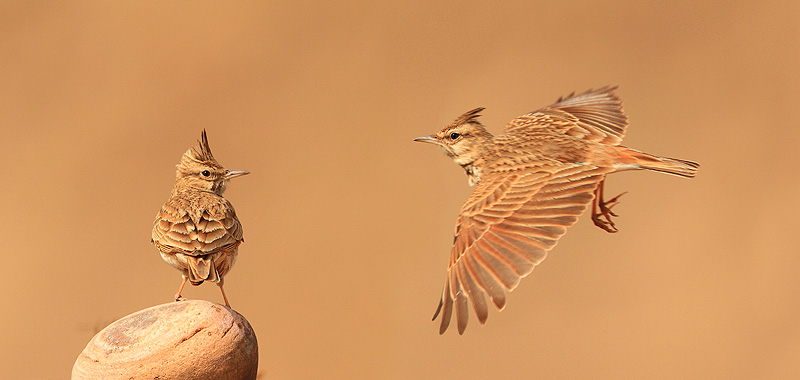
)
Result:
{"points": [[595, 115], [199, 233], [505, 228]]}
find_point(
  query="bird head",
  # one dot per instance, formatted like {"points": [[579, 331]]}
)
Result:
{"points": [[200, 170], [463, 140]]}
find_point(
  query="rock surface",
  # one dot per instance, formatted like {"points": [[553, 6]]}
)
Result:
{"points": [[179, 340]]}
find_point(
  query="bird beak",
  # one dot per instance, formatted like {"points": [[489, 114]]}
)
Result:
{"points": [[235, 173], [431, 139]]}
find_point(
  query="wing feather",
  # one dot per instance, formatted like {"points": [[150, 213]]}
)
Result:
{"points": [[474, 293], [488, 282], [460, 300], [202, 235], [495, 266], [446, 307], [595, 115], [505, 229]]}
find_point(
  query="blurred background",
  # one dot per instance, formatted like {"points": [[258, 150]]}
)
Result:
{"points": [[348, 223]]}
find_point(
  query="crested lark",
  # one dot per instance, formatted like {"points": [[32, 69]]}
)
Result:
{"points": [[197, 230], [532, 183]]}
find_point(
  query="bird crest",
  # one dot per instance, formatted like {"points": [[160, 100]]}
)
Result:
{"points": [[202, 152], [199, 153], [469, 117]]}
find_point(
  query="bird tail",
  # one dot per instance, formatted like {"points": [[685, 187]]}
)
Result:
{"points": [[202, 268], [674, 166]]}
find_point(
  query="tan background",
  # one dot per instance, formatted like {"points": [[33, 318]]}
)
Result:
{"points": [[348, 222]]}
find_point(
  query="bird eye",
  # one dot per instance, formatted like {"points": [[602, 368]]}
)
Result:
{"points": [[205, 173], [454, 135]]}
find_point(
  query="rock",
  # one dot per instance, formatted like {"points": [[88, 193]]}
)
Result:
{"points": [[179, 340]]}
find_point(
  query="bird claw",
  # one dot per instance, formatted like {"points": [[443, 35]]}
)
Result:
{"points": [[603, 218], [180, 298]]}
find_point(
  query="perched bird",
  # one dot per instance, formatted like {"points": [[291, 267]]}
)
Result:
{"points": [[197, 231], [531, 184]]}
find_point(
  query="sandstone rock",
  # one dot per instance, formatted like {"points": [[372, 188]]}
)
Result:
{"points": [[179, 340]]}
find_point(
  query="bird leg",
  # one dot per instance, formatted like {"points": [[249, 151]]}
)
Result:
{"points": [[223, 294], [603, 218], [180, 290]]}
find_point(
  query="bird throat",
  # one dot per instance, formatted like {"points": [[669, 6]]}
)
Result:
{"points": [[473, 172]]}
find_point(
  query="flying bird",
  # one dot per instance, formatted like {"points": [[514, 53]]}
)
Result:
{"points": [[531, 184]]}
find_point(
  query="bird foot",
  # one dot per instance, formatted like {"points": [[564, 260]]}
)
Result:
{"points": [[179, 298], [603, 218]]}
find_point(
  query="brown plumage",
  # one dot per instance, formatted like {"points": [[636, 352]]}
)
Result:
{"points": [[197, 230], [532, 183]]}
